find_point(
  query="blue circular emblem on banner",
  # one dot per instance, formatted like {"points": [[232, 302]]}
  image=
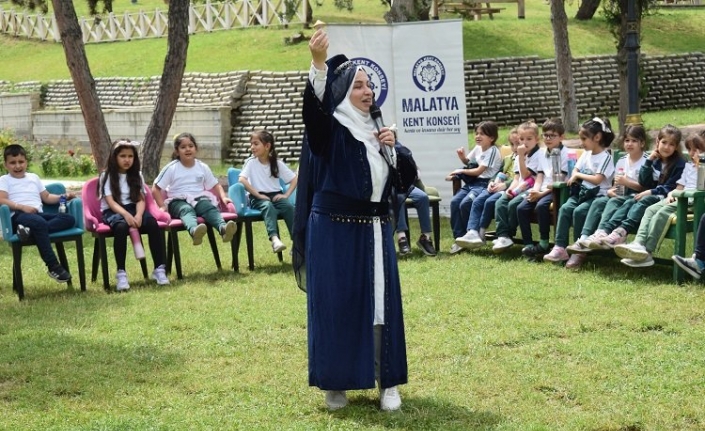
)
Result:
{"points": [[429, 73], [377, 77]]}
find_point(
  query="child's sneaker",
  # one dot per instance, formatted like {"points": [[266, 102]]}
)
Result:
{"points": [[690, 265], [576, 247], [122, 284], [277, 245], [455, 249], [632, 251], [198, 233], [558, 254], [159, 274], [503, 243], [576, 260], [618, 236], [596, 239], [470, 240], [404, 247], [23, 233], [642, 263], [227, 231], [59, 274], [534, 250]]}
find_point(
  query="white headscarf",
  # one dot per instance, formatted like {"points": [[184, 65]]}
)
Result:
{"points": [[362, 127]]}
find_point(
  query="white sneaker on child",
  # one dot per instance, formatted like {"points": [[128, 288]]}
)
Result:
{"points": [[470, 240], [277, 245], [633, 251], [502, 244], [159, 274], [228, 230], [122, 284], [198, 233]]}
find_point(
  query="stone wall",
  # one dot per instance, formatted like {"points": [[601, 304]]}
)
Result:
{"points": [[506, 90]]}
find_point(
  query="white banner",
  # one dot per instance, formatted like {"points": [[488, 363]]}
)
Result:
{"points": [[416, 70]]}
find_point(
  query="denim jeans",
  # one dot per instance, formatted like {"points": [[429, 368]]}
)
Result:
{"points": [[423, 207], [460, 207], [40, 226], [543, 216]]}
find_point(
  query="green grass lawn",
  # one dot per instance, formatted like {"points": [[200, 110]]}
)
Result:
{"points": [[494, 343]]}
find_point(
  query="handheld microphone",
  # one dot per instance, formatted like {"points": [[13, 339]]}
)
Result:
{"points": [[388, 152]]}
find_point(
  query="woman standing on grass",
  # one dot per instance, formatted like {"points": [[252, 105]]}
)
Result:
{"points": [[343, 228]]}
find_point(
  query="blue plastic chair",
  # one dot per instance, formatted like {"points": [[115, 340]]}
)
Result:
{"points": [[247, 215], [74, 234]]}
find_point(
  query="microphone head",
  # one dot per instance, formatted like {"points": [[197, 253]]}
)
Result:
{"points": [[375, 112]]}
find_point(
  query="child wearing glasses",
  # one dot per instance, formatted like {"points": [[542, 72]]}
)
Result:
{"points": [[540, 197]]}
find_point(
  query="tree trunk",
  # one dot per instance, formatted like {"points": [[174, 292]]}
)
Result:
{"points": [[72, 41], [622, 74], [403, 11], [587, 9], [564, 71], [169, 89]]}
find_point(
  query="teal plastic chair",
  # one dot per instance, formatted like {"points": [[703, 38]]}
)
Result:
{"points": [[74, 234], [246, 216]]}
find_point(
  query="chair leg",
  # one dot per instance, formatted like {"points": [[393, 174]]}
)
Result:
{"points": [[104, 263], [61, 252], [436, 225], [235, 246], [174, 239], [81, 263], [96, 260], [250, 246], [214, 248], [17, 283], [143, 264]]}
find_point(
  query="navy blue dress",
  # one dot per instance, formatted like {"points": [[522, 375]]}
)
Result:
{"points": [[334, 231]]}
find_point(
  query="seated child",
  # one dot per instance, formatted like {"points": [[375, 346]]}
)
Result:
{"points": [[590, 179], [540, 197], [604, 208], [423, 206], [123, 206], [481, 165], [483, 206], [653, 225], [505, 214], [24, 193], [261, 177], [658, 175], [189, 182]]}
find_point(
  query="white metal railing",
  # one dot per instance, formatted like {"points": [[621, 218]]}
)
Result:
{"points": [[204, 17]]}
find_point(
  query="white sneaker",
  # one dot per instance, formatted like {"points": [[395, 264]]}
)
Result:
{"points": [[643, 263], [455, 249], [198, 234], [228, 231], [277, 245], [336, 400], [470, 240], [389, 399], [159, 274], [503, 243], [122, 284], [632, 251]]}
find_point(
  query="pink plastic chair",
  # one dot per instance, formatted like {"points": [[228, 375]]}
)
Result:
{"points": [[93, 221], [176, 225]]}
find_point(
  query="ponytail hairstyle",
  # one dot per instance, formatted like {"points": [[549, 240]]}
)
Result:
{"points": [[591, 128], [112, 172], [266, 137], [670, 131], [489, 128], [177, 141]]}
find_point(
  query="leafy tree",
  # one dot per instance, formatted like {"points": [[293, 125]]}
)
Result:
{"points": [[169, 86]]}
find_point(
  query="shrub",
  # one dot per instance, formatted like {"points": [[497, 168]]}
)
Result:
{"points": [[66, 163]]}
